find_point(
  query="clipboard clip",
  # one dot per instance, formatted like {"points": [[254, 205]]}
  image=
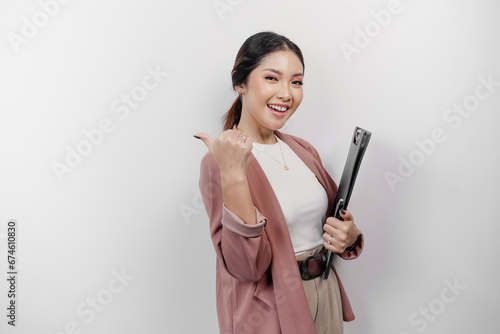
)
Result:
{"points": [[357, 136], [340, 205]]}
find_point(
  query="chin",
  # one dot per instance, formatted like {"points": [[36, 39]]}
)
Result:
{"points": [[276, 126]]}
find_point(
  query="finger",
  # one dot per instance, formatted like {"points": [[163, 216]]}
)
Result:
{"points": [[329, 229], [330, 243], [249, 144], [209, 142], [241, 137], [334, 223], [346, 215], [340, 235], [333, 243]]}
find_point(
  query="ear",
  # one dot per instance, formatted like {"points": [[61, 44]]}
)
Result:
{"points": [[240, 88]]}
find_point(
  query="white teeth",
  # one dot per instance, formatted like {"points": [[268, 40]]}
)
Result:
{"points": [[278, 108]]}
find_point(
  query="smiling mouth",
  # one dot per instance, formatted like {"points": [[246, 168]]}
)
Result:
{"points": [[278, 108]]}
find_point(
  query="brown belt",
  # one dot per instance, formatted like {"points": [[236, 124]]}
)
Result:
{"points": [[313, 266]]}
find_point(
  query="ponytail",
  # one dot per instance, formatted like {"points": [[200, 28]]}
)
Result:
{"points": [[233, 115]]}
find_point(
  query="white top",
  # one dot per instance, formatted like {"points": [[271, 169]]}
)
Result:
{"points": [[302, 198]]}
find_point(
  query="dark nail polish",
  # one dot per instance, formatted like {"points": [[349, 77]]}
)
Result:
{"points": [[342, 211], [196, 137]]}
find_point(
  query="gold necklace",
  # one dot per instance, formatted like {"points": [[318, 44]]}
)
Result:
{"points": [[262, 149]]}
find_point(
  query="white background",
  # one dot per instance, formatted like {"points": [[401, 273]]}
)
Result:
{"points": [[132, 205]]}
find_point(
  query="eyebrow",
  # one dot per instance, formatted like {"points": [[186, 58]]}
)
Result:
{"points": [[279, 72]]}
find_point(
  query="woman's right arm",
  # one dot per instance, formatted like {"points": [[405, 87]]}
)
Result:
{"points": [[236, 226]]}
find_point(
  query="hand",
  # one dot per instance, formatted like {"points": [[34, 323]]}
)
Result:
{"points": [[230, 151], [343, 234]]}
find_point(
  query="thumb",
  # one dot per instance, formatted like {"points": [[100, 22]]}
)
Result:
{"points": [[207, 140], [346, 215]]}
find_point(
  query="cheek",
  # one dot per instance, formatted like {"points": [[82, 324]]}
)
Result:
{"points": [[298, 96], [260, 94], [266, 92]]}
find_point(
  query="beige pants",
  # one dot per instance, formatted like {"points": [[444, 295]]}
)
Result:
{"points": [[324, 300]]}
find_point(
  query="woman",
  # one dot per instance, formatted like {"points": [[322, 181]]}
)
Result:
{"points": [[267, 196]]}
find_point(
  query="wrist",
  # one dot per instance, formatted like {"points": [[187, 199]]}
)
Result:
{"points": [[353, 245], [230, 179]]}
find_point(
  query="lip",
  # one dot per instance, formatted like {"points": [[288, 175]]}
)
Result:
{"points": [[281, 105], [278, 114]]}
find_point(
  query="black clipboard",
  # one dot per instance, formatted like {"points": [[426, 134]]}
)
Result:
{"points": [[357, 149]]}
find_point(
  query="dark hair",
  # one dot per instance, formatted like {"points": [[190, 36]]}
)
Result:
{"points": [[250, 55]]}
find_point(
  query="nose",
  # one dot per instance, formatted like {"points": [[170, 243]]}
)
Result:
{"points": [[284, 93]]}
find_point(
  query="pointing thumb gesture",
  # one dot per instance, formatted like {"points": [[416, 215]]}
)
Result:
{"points": [[231, 150], [207, 140]]}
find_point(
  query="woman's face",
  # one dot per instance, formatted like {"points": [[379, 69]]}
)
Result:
{"points": [[272, 93]]}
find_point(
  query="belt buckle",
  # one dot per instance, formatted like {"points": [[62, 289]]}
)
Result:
{"points": [[304, 266]]}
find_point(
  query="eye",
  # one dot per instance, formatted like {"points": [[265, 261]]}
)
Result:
{"points": [[298, 82], [271, 78]]}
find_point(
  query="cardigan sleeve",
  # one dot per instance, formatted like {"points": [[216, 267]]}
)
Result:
{"points": [[355, 250], [243, 249]]}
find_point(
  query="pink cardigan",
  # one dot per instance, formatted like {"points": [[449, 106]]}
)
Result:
{"points": [[258, 285]]}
